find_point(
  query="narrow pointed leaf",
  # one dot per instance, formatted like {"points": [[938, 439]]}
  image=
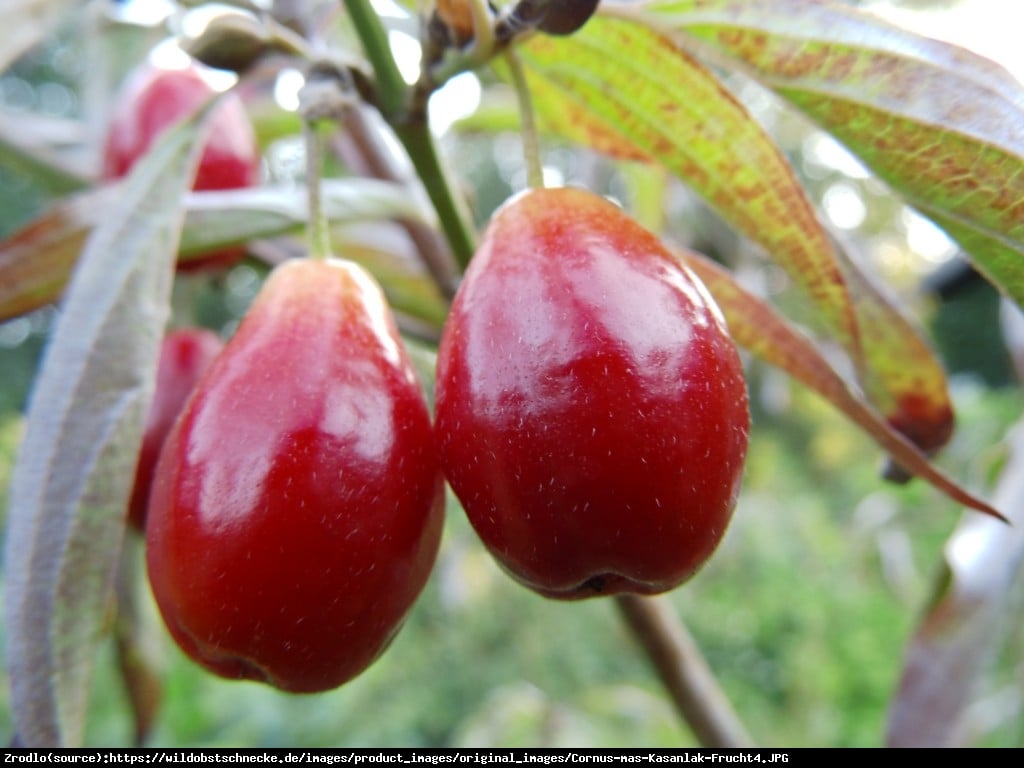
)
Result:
{"points": [[36, 261], [1003, 255], [623, 88], [135, 638], [902, 377], [942, 126], [959, 634], [74, 468], [757, 327]]}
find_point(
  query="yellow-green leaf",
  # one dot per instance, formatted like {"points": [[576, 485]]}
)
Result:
{"points": [[624, 89], [902, 377], [942, 126]]}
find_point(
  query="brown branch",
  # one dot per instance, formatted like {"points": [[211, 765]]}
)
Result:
{"points": [[683, 670]]}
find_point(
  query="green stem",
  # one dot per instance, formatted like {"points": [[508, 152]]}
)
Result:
{"points": [[319, 235], [483, 29], [406, 112], [392, 88], [531, 147], [455, 221]]}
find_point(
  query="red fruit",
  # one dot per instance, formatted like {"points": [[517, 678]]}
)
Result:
{"points": [[298, 502], [591, 408], [151, 102], [184, 355]]}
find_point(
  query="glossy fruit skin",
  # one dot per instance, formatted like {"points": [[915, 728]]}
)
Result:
{"points": [[152, 101], [298, 502], [185, 354], [591, 408]]}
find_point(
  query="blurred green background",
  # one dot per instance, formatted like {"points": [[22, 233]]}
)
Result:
{"points": [[802, 614]]}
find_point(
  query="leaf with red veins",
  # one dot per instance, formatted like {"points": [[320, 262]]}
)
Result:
{"points": [[757, 327], [941, 125], [627, 90]]}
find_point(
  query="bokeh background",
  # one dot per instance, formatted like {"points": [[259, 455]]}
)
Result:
{"points": [[804, 612]]}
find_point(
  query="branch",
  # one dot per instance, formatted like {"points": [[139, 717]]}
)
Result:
{"points": [[683, 671]]}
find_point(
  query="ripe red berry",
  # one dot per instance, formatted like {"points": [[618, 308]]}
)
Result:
{"points": [[152, 101], [591, 407], [184, 355], [298, 502]]}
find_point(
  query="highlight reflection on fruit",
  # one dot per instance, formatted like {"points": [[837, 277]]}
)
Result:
{"points": [[152, 100]]}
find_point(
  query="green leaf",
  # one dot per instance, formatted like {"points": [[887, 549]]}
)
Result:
{"points": [[227, 217], [942, 126], [136, 638], [902, 376], [74, 469], [624, 89], [410, 290], [35, 261], [756, 326]]}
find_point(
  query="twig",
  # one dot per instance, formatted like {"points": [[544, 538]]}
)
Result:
{"points": [[683, 671]]}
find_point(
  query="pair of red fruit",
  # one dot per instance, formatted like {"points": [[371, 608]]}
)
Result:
{"points": [[591, 417]]}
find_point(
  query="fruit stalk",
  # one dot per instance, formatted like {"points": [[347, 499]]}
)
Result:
{"points": [[528, 130], [319, 236], [683, 670]]}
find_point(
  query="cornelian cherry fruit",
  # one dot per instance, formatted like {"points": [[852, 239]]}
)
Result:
{"points": [[151, 101], [185, 354], [591, 409], [298, 502]]}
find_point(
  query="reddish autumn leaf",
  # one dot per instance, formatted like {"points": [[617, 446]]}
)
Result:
{"points": [[36, 261], [756, 326], [902, 377]]}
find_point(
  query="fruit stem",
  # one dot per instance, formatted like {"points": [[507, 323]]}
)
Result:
{"points": [[319, 235], [684, 671], [531, 145]]}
